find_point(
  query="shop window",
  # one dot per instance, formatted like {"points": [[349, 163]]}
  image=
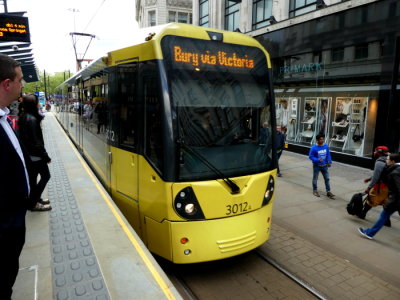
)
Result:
{"points": [[262, 11], [299, 7], [337, 54], [152, 18], [347, 122], [361, 51], [203, 13], [232, 15]]}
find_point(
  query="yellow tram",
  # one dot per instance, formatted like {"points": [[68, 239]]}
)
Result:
{"points": [[178, 128]]}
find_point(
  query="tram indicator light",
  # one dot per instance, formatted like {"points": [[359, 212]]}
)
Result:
{"points": [[14, 29]]}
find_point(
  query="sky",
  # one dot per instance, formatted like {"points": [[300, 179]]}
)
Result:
{"points": [[51, 22]]}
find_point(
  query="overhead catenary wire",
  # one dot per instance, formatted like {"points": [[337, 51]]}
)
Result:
{"points": [[76, 39]]}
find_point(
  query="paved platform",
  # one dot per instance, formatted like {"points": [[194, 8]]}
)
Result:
{"points": [[317, 239], [84, 248]]}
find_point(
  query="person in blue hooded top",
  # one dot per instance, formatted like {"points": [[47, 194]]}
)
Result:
{"points": [[320, 156]]}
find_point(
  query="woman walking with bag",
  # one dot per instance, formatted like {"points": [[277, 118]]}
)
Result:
{"points": [[393, 203], [32, 138], [380, 154]]}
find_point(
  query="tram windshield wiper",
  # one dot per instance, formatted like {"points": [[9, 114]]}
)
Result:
{"points": [[234, 188]]}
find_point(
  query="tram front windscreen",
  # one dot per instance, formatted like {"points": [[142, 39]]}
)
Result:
{"points": [[220, 98]]}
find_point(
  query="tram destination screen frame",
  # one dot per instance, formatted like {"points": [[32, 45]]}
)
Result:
{"points": [[196, 54]]}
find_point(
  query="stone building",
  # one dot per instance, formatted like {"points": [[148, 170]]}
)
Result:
{"points": [[156, 12]]}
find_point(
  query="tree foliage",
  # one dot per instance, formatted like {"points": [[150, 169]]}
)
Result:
{"points": [[52, 81]]}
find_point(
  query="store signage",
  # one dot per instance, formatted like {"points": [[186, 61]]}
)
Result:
{"points": [[301, 68], [14, 29], [220, 58]]}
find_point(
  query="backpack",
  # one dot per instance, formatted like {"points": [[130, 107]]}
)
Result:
{"points": [[378, 195], [355, 206]]}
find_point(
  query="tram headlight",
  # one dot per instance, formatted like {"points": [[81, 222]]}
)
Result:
{"points": [[269, 192], [187, 206], [190, 209]]}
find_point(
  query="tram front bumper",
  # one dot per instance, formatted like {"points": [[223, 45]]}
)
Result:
{"points": [[220, 238]]}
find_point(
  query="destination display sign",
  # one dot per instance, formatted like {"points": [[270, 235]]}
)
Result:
{"points": [[221, 58], [202, 55], [14, 29]]}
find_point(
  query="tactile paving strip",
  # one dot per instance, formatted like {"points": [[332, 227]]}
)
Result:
{"points": [[76, 272]]}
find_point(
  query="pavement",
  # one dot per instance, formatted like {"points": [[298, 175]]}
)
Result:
{"points": [[317, 240]]}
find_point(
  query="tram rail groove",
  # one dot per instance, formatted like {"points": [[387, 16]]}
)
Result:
{"points": [[300, 282], [183, 287]]}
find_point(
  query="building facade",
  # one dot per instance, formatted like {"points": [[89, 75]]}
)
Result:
{"points": [[156, 12], [335, 67]]}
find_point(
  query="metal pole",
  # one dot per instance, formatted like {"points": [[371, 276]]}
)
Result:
{"points": [[5, 6], [48, 86], [45, 85]]}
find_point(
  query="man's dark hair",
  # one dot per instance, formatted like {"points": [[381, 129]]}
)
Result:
{"points": [[7, 67], [319, 136], [395, 157]]}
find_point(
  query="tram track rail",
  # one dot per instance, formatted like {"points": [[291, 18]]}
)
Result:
{"points": [[184, 289], [244, 274], [293, 277]]}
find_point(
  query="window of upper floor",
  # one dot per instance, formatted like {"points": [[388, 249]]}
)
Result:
{"points": [[299, 7], [337, 55], [232, 15], [180, 17], [262, 11], [152, 18], [203, 13], [361, 51]]}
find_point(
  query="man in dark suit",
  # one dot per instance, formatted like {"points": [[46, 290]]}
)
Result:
{"points": [[14, 182]]}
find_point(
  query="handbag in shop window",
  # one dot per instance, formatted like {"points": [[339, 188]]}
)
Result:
{"points": [[357, 136]]}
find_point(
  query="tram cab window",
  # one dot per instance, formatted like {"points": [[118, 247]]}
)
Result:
{"points": [[154, 143], [127, 82]]}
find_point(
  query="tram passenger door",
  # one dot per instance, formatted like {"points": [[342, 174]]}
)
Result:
{"points": [[122, 136]]}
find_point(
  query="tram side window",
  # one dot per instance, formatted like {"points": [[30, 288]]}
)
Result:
{"points": [[127, 78], [154, 144]]}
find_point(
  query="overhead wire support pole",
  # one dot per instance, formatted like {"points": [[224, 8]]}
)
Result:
{"points": [[74, 41]]}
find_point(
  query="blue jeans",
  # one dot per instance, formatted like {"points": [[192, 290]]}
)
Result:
{"points": [[325, 173], [383, 217]]}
